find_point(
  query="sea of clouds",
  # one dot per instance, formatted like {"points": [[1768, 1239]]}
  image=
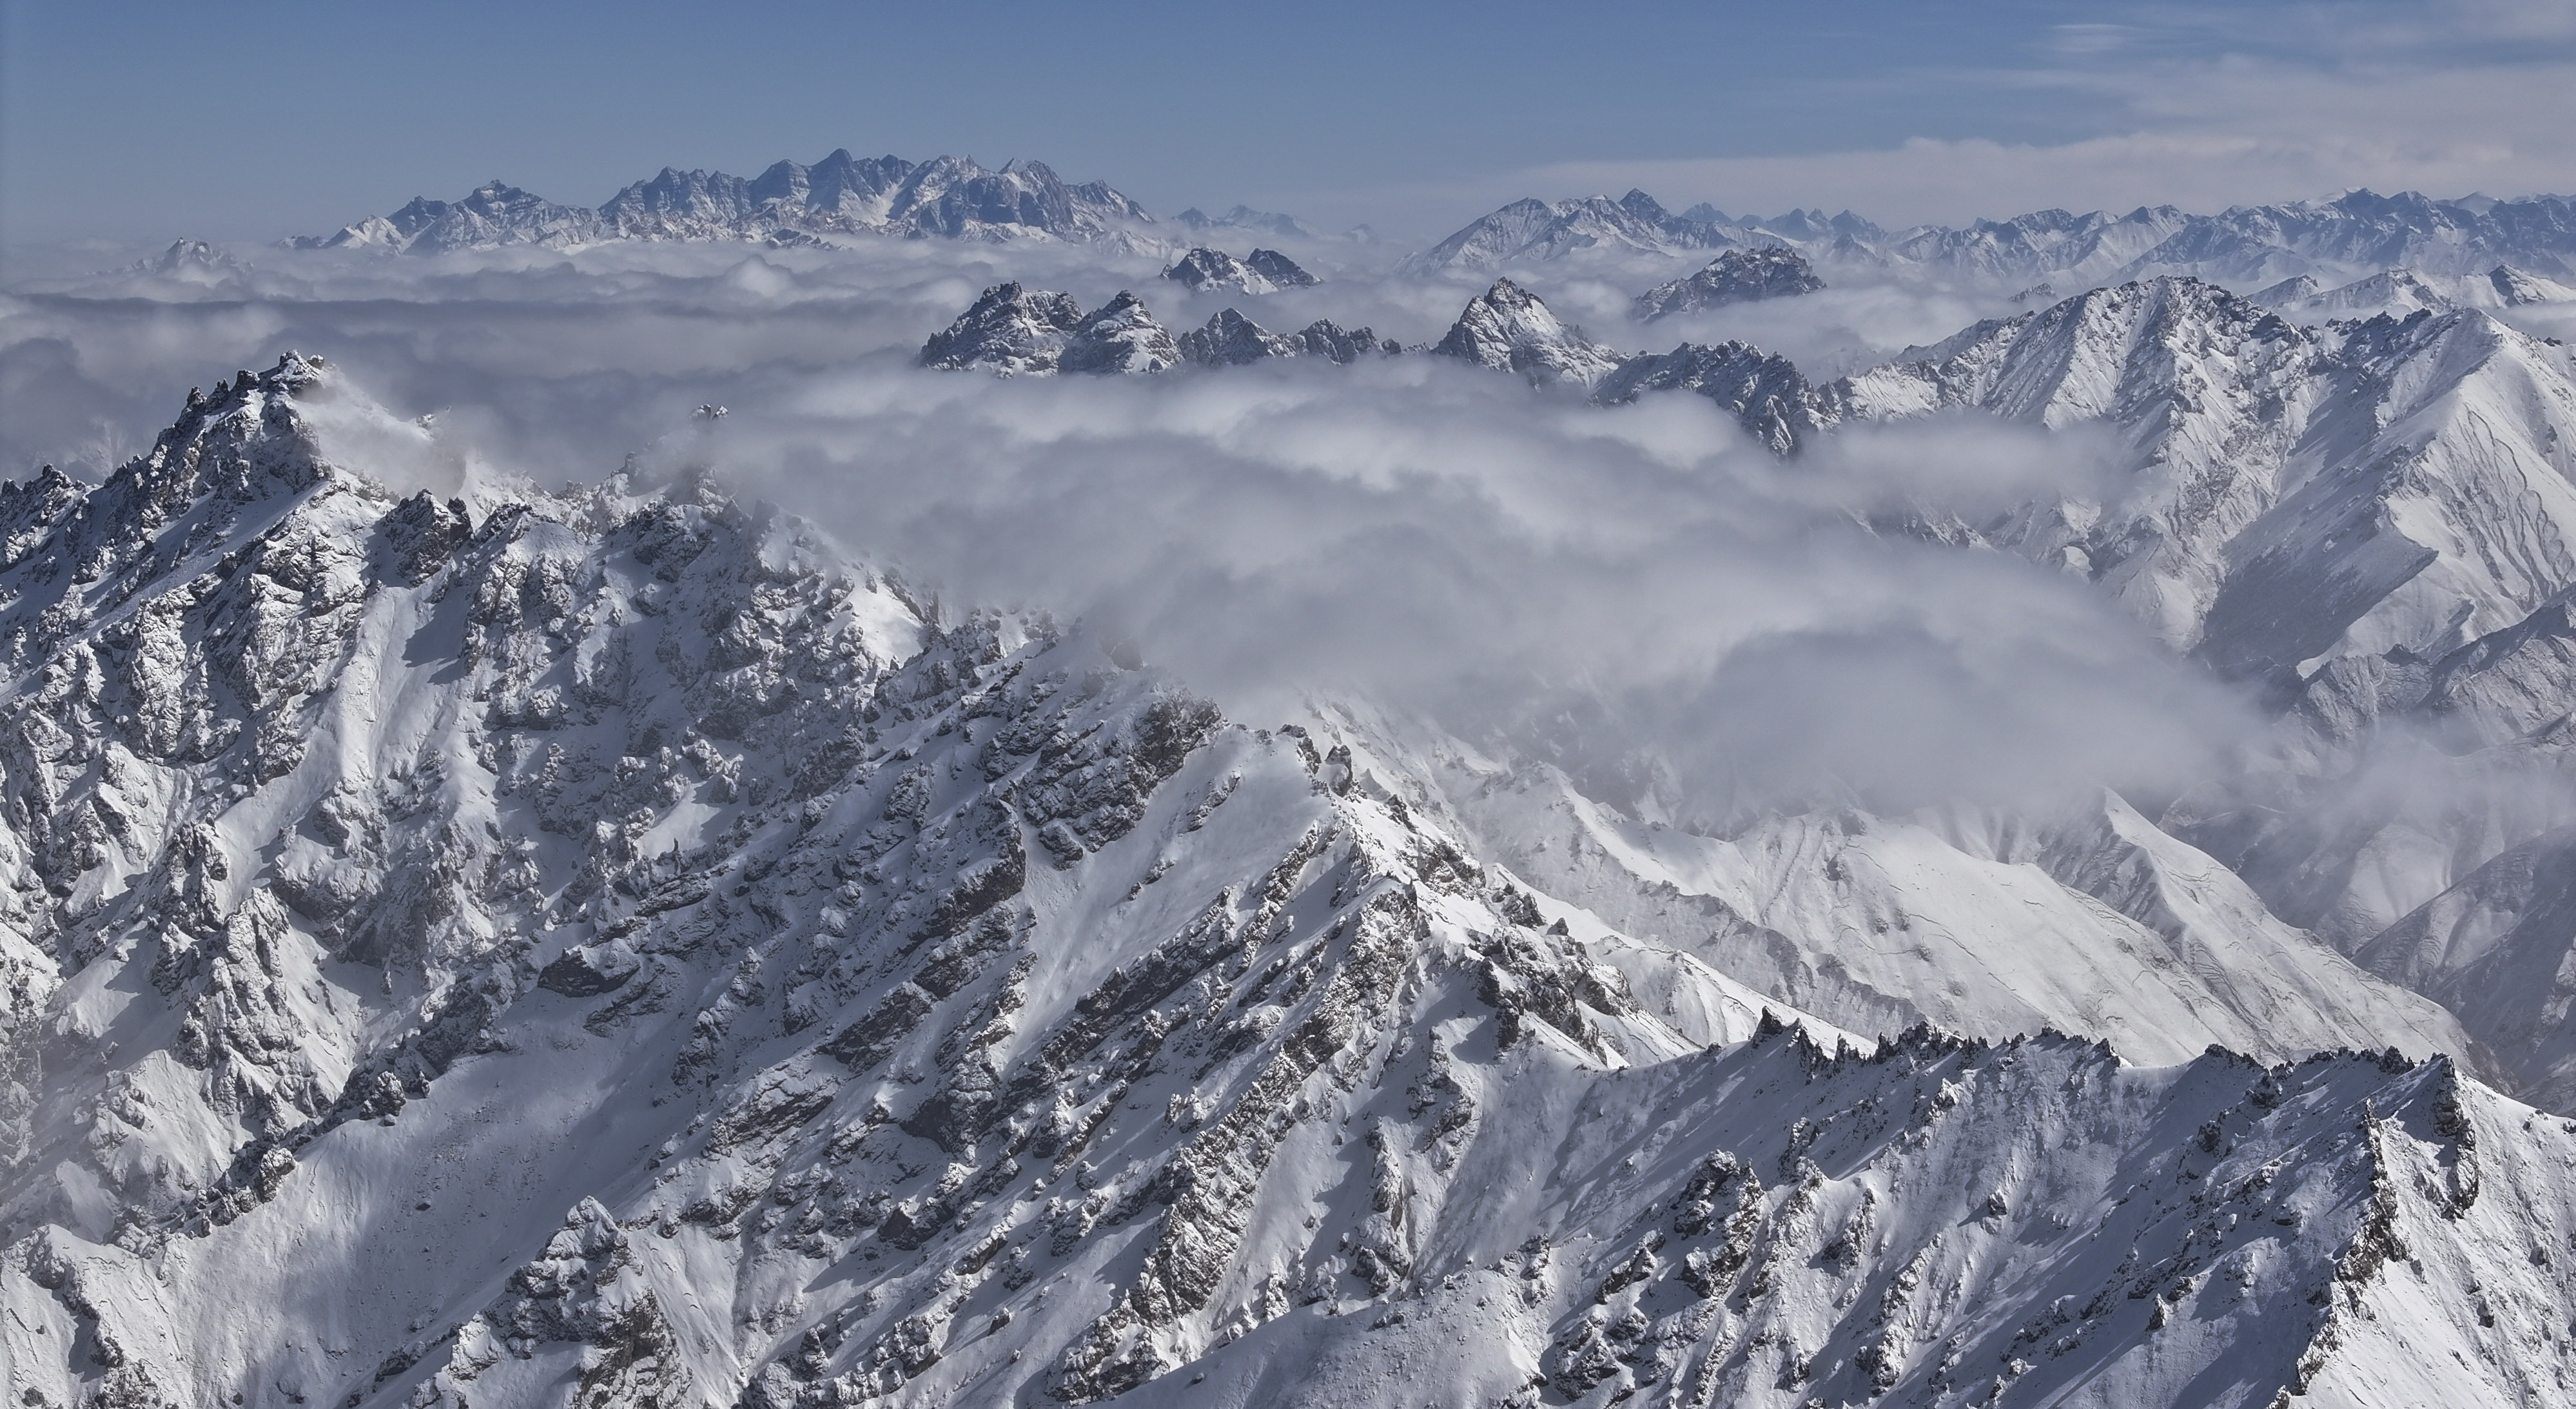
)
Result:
{"points": [[1431, 536]]}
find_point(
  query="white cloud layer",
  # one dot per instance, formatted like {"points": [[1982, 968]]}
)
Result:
{"points": [[1432, 535]]}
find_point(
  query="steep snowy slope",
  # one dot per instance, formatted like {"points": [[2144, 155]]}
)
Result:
{"points": [[607, 949], [315, 794], [1536, 230], [2283, 494], [2098, 925], [2404, 291], [492, 214]]}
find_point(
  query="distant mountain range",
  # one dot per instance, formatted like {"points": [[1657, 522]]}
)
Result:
{"points": [[2357, 232], [2353, 235], [790, 203]]}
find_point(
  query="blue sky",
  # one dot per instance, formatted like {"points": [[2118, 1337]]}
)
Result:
{"points": [[255, 118]]}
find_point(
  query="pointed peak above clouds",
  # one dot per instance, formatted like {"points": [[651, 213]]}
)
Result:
{"points": [[1263, 271], [1737, 276], [1509, 329], [1029, 332]]}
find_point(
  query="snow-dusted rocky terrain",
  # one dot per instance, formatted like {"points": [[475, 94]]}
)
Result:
{"points": [[606, 943], [606, 947], [2358, 232], [946, 197]]}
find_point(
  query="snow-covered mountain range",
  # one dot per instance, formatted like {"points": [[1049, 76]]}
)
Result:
{"points": [[2353, 236], [712, 973], [609, 945], [946, 197], [2358, 232]]}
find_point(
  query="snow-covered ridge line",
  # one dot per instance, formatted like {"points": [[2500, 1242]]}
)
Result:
{"points": [[611, 948], [2356, 233], [790, 203]]}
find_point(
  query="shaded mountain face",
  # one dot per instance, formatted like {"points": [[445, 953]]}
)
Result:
{"points": [[1765, 393], [945, 198], [2247, 244], [1737, 276], [1120, 337], [710, 973]]}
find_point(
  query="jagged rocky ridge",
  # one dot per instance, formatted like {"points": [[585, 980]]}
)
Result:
{"points": [[1011, 330], [1263, 271], [947, 198], [2404, 291], [2373, 519], [1737, 276], [2359, 232], [1231, 340], [606, 948]]}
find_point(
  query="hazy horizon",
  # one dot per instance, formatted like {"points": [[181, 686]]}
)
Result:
{"points": [[111, 116]]}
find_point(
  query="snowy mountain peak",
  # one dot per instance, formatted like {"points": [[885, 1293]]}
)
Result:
{"points": [[1009, 330], [1737, 276], [1120, 337], [1765, 393], [1507, 328], [1263, 271]]}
